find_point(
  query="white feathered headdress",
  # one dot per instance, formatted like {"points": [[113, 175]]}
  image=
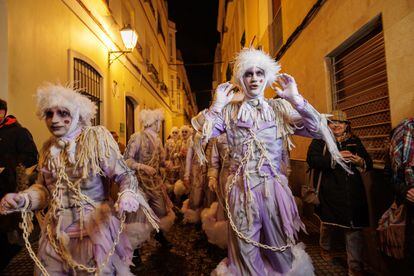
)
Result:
{"points": [[249, 57], [188, 128], [56, 95], [147, 116], [174, 128]]}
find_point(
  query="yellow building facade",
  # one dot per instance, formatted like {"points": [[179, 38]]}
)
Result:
{"points": [[355, 55], [271, 24], [69, 41]]}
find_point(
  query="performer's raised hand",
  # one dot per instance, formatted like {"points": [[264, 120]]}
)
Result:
{"points": [[289, 89], [127, 202], [10, 203], [212, 184], [223, 95], [147, 169]]}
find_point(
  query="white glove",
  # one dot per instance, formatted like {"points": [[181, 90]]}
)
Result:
{"points": [[128, 202], [222, 96], [10, 203], [289, 90]]}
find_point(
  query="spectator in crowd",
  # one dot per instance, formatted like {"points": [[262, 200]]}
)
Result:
{"points": [[342, 195], [16, 149], [402, 165], [120, 145]]}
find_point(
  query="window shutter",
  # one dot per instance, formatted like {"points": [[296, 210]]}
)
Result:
{"points": [[361, 90]]}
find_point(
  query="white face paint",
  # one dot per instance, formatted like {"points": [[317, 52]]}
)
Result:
{"points": [[174, 134], [254, 82], [185, 133], [58, 121]]}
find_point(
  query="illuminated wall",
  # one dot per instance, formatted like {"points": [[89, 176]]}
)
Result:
{"points": [[41, 38]]}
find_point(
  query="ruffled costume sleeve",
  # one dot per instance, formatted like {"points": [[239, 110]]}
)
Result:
{"points": [[304, 120], [214, 161]]}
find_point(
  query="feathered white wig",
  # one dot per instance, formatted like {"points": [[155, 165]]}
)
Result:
{"points": [[148, 117], [249, 57], [174, 128], [51, 95], [188, 128]]}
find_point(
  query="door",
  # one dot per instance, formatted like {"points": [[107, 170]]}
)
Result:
{"points": [[130, 118]]}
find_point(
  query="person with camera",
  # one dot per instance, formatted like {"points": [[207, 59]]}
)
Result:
{"points": [[342, 195]]}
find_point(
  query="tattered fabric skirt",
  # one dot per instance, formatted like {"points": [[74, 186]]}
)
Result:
{"points": [[99, 233], [269, 217]]}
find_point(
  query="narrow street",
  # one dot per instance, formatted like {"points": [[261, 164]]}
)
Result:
{"points": [[191, 254]]}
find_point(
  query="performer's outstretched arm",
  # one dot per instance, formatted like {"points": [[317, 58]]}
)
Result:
{"points": [[305, 119]]}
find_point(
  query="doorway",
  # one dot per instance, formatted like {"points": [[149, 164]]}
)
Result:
{"points": [[130, 117]]}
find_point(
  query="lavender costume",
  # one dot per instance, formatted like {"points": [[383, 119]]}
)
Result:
{"points": [[171, 152], [145, 147], [214, 219], [80, 233], [260, 201], [79, 227]]}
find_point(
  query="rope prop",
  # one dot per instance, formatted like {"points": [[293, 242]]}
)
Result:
{"points": [[89, 157], [249, 154]]}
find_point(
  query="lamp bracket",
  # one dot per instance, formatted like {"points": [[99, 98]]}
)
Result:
{"points": [[117, 54]]}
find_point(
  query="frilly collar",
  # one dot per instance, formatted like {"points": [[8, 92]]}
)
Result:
{"points": [[66, 143], [255, 109]]}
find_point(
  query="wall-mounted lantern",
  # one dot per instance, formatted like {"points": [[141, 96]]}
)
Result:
{"points": [[129, 38]]}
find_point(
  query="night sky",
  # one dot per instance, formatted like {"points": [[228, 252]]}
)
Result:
{"points": [[197, 38]]}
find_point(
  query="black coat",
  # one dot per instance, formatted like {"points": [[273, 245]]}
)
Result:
{"points": [[342, 196], [16, 147]]}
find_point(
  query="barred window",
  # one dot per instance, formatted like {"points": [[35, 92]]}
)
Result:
{"points": [[89, 82], [360, 88]]}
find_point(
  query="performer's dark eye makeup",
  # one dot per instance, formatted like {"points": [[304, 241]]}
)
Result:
{"points": [[248, 73], [63, 113], [259, 73], [49, 114]]}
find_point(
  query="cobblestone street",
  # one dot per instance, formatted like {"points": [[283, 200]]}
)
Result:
{"points": [[191, 254]]}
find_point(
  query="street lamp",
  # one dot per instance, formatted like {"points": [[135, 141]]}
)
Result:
{"points": [[129, 38]]}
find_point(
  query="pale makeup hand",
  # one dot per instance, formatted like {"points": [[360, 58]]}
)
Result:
{"points": [[147, 169], [289, 89], [168, 164], [186, 183], [10, 203], [223, 95], [410, 195], [212, 184]]}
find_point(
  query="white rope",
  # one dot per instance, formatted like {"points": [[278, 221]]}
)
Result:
{"points": [[242, 165], [89, 158]]}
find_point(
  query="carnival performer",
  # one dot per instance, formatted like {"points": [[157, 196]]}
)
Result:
{"points": [[80, 232], [214, 220], [194, 178], [172, 158], [145, 154], [209, 194], [260, 206], [182, 186]]}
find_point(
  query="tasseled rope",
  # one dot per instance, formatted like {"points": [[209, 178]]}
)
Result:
{"points": [[90, 155]]}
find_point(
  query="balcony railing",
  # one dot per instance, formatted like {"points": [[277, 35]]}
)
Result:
{"points": [[163, 87], [152, 72]]}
